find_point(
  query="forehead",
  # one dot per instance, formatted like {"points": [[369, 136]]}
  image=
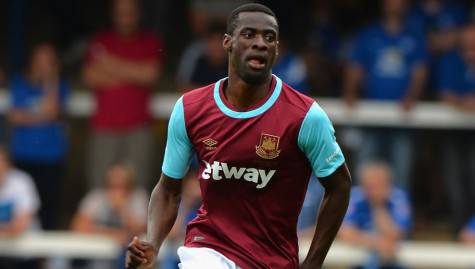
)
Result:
{"points": [[257, 20]]}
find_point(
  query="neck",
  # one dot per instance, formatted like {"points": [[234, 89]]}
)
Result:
{"points": [[243, 95], [393, 23]]}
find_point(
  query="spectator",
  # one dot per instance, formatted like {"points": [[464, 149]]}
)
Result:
{"points": [[203, 13], [457, 88], [204, 61], [118, 210], [388, 61], [323, 52], [311, 205], [378, 216], [467, 235], [291, 67], [19, 204], [440, 21], [121, 67], [38, 140]]}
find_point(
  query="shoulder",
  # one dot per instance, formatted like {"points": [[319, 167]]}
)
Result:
{"points": [[17, 81], [198, 96], [96, 196], [19, 181], [398, 195], [295, 100], [103, 36], [369, 31]]}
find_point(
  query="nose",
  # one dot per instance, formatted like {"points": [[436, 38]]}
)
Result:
{"points": [[259, 43]]}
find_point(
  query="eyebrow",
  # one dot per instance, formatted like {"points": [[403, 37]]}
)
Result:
{"points": [[267, 30]]}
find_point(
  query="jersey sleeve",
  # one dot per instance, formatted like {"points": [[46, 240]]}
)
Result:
{"points": [[317, 140], [178, 151]]}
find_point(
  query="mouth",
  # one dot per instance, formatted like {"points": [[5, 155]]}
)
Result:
{"points": [[257, 62]]}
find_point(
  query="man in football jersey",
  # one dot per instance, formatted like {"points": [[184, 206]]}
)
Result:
{"points": [[257, 141]]}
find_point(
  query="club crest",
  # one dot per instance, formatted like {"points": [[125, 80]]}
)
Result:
{"points": [[268, 147]]}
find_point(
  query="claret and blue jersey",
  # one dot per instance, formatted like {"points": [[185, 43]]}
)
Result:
{"points": [[254, 169]]}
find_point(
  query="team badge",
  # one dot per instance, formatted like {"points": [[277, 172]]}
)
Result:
{"points": [[210, 144], [268, 146]]}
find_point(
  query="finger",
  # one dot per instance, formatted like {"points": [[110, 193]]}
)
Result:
{"points": [[137, 260], [136, 251]]}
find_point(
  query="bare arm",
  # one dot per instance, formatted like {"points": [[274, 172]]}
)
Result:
{"points": [[145, 73], [17, 226], [335, 202], [163, 209], [162, 213], [95, 76], [83, 223], [467, 237], [352, 81], [416, 87]]}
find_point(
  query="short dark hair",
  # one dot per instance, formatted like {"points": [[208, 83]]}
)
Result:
{"points": [[253, 7]]}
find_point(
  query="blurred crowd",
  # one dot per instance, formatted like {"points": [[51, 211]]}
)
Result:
{"points": [[401, 51]]}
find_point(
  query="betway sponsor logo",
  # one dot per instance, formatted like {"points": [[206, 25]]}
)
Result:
{"points": [[219, 170]]}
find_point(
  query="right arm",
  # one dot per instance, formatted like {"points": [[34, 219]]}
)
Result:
{"points": [[352, 80], [166, 196], [163, 209]]}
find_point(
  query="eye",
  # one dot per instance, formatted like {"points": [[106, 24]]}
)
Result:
{"points": [[270, 37], [247, 34]]}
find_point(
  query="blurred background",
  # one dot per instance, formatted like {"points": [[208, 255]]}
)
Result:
{"points": [[87, 87]]}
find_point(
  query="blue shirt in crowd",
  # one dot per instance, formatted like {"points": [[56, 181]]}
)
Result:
{"points": [[388, 60], [455, 75], [44, 142], [291, 69], [360, 212], [448, 17]]}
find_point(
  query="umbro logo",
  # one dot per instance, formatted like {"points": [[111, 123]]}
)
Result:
{"points": [[210, 144]]}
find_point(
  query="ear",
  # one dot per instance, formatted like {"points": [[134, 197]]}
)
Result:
{"points": [[277, 48], [227, 43]]}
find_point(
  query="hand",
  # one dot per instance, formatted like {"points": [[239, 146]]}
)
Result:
{"points": [[140, 255], [468, 103], [386, 248], [407, 104]]}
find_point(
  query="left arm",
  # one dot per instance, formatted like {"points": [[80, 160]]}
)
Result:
{"points": [[317, 140], [416, 87], [142, 73], [17, 226], [335, 202]]}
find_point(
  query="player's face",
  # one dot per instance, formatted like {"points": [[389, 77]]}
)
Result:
{"points": [[253, 46]]}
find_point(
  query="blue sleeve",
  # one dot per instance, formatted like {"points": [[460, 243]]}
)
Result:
{"points": [[447, 74], [317, 140], [178, 151], [401, 211], [357, 53], [421, 55], [19, 96]]}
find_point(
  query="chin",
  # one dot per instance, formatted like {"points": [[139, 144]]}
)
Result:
{"points": [[255, 78]]}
